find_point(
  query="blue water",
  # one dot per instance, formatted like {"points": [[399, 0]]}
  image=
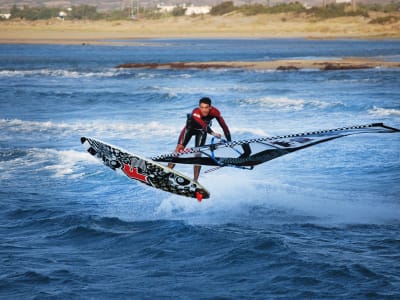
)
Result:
{"points": [[323, 222]]}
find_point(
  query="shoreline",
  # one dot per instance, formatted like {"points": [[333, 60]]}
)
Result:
{"points": [[141, 40], [261, 26]]}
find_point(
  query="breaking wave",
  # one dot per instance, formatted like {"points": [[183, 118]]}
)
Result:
{"points": [[61, 73], [286, 104], [101, 128], [103, 73], [384, 112], [59, 163]]}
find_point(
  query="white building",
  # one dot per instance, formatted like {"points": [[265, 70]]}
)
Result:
{"points": [[165, 8], [5, 16], [190, 10], [343, 1], [197, 10], [62, 15]]}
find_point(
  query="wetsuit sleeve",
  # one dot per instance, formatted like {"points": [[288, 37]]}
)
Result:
{"points": [[182, 137], [225, 128], [223, 125]]}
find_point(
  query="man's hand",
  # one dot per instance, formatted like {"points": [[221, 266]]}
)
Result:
{"points": [[216, 134], [179, 148]]}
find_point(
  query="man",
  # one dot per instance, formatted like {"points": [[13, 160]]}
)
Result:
{"points": [[198, 124]]}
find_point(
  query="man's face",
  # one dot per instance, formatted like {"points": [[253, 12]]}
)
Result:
{"points": [[204, 109]]}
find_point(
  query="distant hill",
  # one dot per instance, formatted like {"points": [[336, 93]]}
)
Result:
{"points": [[115, 4], [100, 4]]}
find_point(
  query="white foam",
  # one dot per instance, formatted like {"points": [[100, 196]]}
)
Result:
{"points": [[67, 162], [238, 194], [230, 192], [105, 73], [190, 90], [284, 103], [105, 128], [248, 130], [384, 112], [60, 163], [61, 73], [16, 125]]}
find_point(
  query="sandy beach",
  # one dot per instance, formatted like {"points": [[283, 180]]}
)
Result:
{"points": [[232, 26]]}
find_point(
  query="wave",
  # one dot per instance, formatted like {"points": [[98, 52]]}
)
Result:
{"points": [[248, 130], [104, 73], [60, 73], [67, 162], [196, 89], [286, 104], [252, 197], [87, 233], [60, 163], [384, 112], [155, 74], [32, 277], [100, 128]]}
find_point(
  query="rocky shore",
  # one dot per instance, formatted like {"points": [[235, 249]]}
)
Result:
{"points": [[281, 65]]}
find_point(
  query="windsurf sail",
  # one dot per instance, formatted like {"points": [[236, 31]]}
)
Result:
{"points": [[252, 152]]}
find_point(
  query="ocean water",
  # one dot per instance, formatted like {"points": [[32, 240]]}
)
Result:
{"points": [[320, 223]]}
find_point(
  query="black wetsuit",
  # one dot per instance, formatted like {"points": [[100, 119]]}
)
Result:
{"points": [[199, 126]]}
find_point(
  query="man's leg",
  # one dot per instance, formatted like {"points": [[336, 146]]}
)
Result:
{"points": [[196, 172], [178, 148], [200, 141], [183, 140]]}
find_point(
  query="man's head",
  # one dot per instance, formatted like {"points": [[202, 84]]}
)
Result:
{"points": [[205, 106]]}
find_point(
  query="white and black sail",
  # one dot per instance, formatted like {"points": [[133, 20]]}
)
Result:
{"points": [[251, 152]]}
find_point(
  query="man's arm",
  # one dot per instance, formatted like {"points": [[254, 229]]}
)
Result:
{"points": [[222, 123], [224, 127]]}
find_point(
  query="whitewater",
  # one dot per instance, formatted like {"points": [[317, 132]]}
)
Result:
{"points": [[322, 222]]}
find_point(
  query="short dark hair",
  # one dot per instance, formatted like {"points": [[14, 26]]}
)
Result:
{"points": [[205, 100]]}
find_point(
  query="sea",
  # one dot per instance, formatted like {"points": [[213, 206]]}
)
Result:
{"points": [[320, 223]]}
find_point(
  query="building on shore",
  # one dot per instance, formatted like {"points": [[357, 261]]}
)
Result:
{"points": [[165, 8], [62, 15], [189, 10], [197, 10], [5, 16]]}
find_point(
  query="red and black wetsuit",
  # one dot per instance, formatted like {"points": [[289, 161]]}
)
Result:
{"points": [[199, 126]]}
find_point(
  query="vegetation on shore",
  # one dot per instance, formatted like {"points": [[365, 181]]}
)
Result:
{"points": [[84, 25], [87, 12], [323, 12]]}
